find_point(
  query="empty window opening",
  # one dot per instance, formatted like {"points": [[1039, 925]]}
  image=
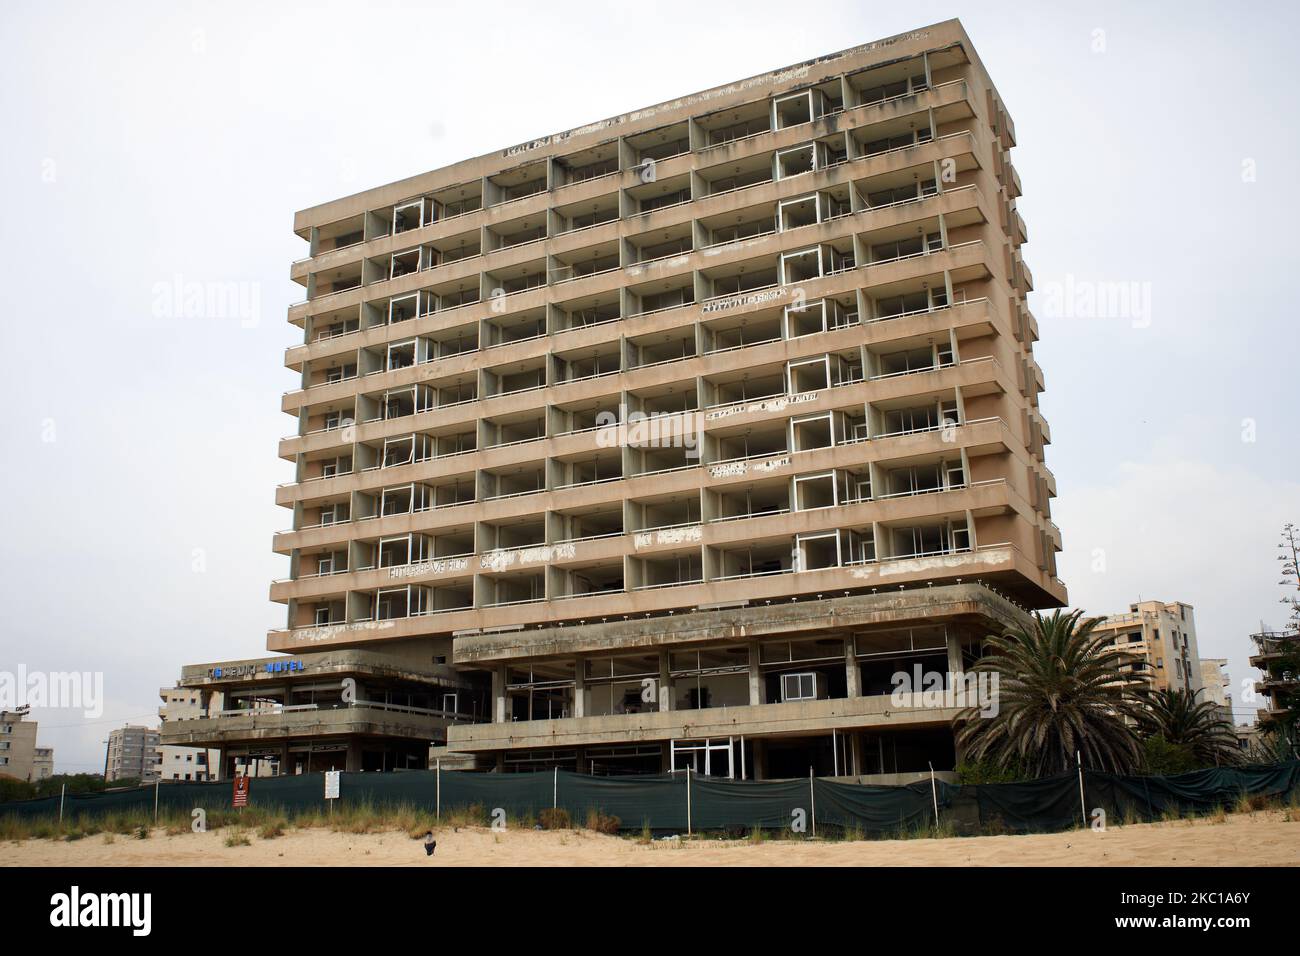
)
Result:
{"points": [[796, 160], [794, 110]]}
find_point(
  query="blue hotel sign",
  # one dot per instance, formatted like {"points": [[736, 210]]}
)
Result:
{"points": [[248, 670]]}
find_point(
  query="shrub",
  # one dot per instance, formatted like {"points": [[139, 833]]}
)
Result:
{"points": [[1163, 759], [988, 770], [272, 829], [555, 818], [601, 822]]}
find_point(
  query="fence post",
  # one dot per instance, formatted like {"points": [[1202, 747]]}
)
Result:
{"points": [[812, 794], [688, 800], [1083, 805], [157, 785], [63, 792], [934, 793], [555, 790], [438, 790]]}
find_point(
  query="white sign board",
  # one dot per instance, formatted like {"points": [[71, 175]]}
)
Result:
{"points": [[331, 784]]}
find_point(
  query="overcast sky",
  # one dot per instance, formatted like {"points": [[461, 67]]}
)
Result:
{"points": [[151, 144]]}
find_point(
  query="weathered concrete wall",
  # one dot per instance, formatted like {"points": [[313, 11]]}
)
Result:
{"points": [[961, 602]]}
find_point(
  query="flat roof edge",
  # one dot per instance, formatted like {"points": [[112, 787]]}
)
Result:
{"points": [[321, 212]]}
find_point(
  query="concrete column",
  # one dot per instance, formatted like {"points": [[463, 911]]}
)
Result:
{"points": [[352, 763], [955, 668], [954, 653], [755, 678], [855, 753], [499, 694], [852, 675], [759, 769], [665, 689], [579, 687]]}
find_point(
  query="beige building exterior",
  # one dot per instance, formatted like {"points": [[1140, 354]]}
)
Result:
{"points": [[1278, 658], [185, 763], [19, 755], [42, 763], [675, 437], [132, 753], [1164, 637], [1215, 681], [339, 709]]}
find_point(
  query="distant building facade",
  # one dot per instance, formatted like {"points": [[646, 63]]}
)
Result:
{"points": [[1276, 657], [1216, 682], [42, 763], [133, 752], [18, 750], [1163, 637], [185, 763]]}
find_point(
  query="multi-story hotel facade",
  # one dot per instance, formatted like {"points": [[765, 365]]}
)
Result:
{"points": [[1162, 638], [676, 436]]}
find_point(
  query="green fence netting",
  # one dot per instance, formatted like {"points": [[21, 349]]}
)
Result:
{"points": [[676, 803]]}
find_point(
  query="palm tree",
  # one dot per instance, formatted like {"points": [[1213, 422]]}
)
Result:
{"points": [[1061, 691], [1196, 726]]}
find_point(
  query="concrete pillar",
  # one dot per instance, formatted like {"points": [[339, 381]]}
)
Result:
{"points": [[352, 763], [855, 753], [954, 653], [665, 689], [579, 687], [499, 694], [755, 676], [759, 769], [955, 669], [852, 675]]}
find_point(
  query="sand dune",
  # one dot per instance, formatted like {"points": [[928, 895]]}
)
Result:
{"points": [[1265, 839]]}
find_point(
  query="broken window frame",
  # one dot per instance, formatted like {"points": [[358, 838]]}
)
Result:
{"points": [[782, 276], [792, 366], [794, 200], [798, 420], [779, 172], [801, 541], [801, 480]]}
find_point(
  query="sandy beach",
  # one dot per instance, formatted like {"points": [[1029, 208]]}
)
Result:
{"points": [[1256, 839]]}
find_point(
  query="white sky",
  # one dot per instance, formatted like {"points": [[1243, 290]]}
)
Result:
{"points": [[151, 143]]}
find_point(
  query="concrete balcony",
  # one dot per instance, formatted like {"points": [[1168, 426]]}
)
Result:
{"points": [[994, 562], [298, 724], [766, 720]]}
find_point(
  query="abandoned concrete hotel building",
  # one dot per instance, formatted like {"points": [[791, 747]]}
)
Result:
{"points": [[665, 441]]}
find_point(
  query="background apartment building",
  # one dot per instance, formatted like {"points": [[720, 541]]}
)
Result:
{"points": [[19, 755], [1277, 655], [185, 763], [810, 284], [1164, 637], [1215, 681], [132, 753]]}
